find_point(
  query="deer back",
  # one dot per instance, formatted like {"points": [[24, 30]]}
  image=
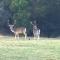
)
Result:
{"points": [[20, 30]]}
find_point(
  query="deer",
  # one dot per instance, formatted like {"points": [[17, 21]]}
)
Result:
{"points": [[17, 30], [36, 30]]}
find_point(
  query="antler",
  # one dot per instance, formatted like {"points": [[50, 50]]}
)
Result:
{"points": [[31, 23], [14, 22], [8, 22], [35, 22]]}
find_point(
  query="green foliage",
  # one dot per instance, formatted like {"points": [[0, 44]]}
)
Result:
{"points": [[23, 9], [40, 7], [19, 7]]}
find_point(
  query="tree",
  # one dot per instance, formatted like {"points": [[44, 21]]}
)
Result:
{"points": [[20, 11]]}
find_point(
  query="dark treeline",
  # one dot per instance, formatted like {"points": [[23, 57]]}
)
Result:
{"points": [[45, 12]]}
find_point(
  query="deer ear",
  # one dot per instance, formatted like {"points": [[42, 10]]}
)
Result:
{"points": [[14, 22]]}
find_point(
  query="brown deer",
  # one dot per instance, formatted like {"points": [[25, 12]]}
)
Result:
{"points": [[36, 31], [17, 30]]}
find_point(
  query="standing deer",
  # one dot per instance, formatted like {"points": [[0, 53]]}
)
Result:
{"points": [[17, 30], [36, 31]]}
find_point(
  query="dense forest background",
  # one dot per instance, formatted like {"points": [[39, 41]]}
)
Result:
{"points": [[45, 12]]}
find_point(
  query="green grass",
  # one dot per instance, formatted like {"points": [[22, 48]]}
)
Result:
{"points": [[43, 49]]}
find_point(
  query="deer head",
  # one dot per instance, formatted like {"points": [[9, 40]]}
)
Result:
{"points": [[12, 28]]}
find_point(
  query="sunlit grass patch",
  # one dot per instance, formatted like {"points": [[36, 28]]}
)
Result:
{"points": [[25, 49]]}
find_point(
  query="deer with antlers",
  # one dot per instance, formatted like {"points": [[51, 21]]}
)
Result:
{"points": [[17, 30], [36, 31]]}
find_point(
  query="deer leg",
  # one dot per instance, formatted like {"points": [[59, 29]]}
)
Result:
{"points": [[34, 36], [15, 36], [25, 35], [38, 36]]}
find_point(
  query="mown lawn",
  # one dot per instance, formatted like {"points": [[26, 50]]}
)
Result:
{"points": [[43, 49]]}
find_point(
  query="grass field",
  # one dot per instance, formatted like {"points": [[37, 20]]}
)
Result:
{"points": [[43, 49]]}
